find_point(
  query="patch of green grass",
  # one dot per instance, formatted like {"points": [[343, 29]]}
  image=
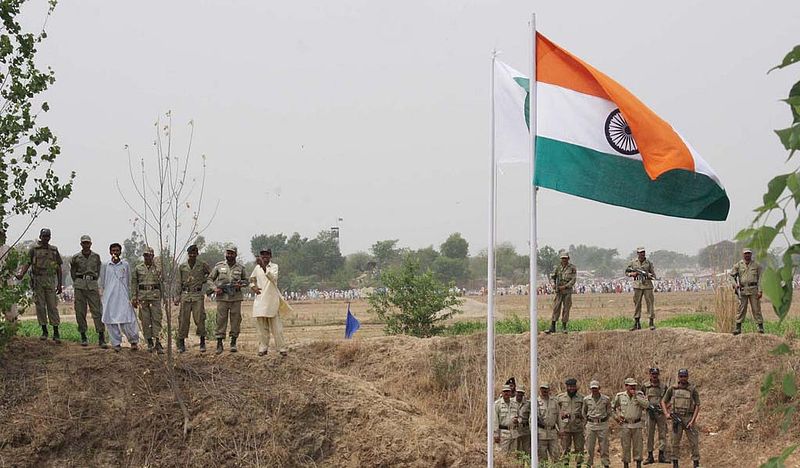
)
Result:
{"points": [[697, 321], [68, 331]]}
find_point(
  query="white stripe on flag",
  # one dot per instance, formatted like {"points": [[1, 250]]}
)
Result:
{"points": [[512, 139]]}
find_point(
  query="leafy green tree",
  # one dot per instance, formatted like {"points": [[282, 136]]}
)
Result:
{"points": [[773, 219], [719, 256], [413, 302], [455, 246], [668, 259], [133, 248], [276, 242], [425, 257], [211, 253], [451, 270], [386, 252], [546, 259], [28, 183], [604, 262], [360, 262]]}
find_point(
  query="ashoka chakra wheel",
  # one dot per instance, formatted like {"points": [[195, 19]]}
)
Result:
{"points": [[619, 135]]}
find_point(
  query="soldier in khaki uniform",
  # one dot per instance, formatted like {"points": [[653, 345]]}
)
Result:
{"points": [[192, 278], [642, 287], [548, 422], [46, 263], [505, 410], [146, 283], [522, 424], [747, 275], [683, 400], [228, 278], [654, 391], [629, 406], [84, 269], [596, 411], [564, 277], [570, 406]]}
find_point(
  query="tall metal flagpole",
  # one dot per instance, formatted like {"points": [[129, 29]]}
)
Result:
{"points": [[490, 283], [534, 354]]}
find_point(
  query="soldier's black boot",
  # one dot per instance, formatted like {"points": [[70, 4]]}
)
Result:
{"points": [[661, 457], [625, 465], [696, 463], [44, 333], [552, 328], [56, 336], [219, 346], [652, 325], [150, 346], [761, 328], [181, 345], [650, 460], [159, 348], [638, 464], [101, 340], [84, 340], [675, 464], [738, 329], [202, 344], [636, 325], [563, 327], [233, 345]]}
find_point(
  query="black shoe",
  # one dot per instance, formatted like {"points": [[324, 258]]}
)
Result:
{"points": [[233, 345], [761, 328], [44, 333], [738, 329], [675, 464], [652, 325], [56, 336], [696, 463], [636, 325], [134, 346], [650, 460], [84, 340], [202, 344], [564, 327], [150, 346], [638, 464], [181, 345], [101, 340], [220, 348], [159, 348], [625, 465], [552, 328], [661, 457]]}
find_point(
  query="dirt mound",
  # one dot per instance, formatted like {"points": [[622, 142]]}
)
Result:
{"points": [[389, 401]]}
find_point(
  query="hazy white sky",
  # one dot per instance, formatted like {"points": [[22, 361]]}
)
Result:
{"points": [[377, 111]]}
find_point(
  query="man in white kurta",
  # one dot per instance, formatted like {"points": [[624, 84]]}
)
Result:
{"points": [[118, 313], [268, 303]]}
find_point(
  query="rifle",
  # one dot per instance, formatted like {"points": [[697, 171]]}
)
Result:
{"points": [[738, 286], [677, 421], [640, 272], [654, 410], [234, 286]]}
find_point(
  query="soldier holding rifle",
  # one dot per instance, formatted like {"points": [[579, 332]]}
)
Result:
{"points": [[643, 273], [228, 278], [681, 403]]}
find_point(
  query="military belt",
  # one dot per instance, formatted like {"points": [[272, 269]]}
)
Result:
{"points": [[598, 420], [88, 276], [149, 287], [504, 427]]}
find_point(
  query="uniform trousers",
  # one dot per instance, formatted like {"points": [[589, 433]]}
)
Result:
{"points": [[225, 310], [192, 310], [659, 422], [89, 299], [563, 300], [755, 308], [648, 299], [631, 438], [150, 315], [596, 437], [692, 435], [44, 296]]}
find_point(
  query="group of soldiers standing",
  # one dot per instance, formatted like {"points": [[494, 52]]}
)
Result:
{"points": [[145, 289], [572, 425], [746, 275]]}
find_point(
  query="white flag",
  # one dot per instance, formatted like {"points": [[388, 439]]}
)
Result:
{"points": [[512, 137]]}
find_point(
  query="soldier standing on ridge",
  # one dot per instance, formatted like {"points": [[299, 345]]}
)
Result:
{"points": [[654, 391], [681, 403], [747, 274], [46, 263], [548, 423], [228, 278], [642, 287], [522, 424], [505, 410], [570, 405], [192, 280], [146, 295], [629, 406], [564, 277], [596, 411], [84, 268]]}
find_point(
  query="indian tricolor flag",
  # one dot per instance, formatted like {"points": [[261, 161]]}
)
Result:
{"points": [[596, 140]]}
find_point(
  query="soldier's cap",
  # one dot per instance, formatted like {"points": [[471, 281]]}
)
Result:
{"points": [[564, 255], [684, 372], [594, 384], [511, 381], [570, 381], [44, 232], [506, 388], [86, 238], [521, 389], [265, 251], [231, 248], [544, 385], [639, 249], [631, 381], [654, 370], [148, 251], [747, 250], [192, 248]]}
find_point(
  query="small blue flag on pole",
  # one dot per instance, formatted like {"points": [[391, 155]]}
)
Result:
{"points": [[351, 325]]}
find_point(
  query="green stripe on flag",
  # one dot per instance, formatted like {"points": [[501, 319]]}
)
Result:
{"points": [[620, 181]]}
